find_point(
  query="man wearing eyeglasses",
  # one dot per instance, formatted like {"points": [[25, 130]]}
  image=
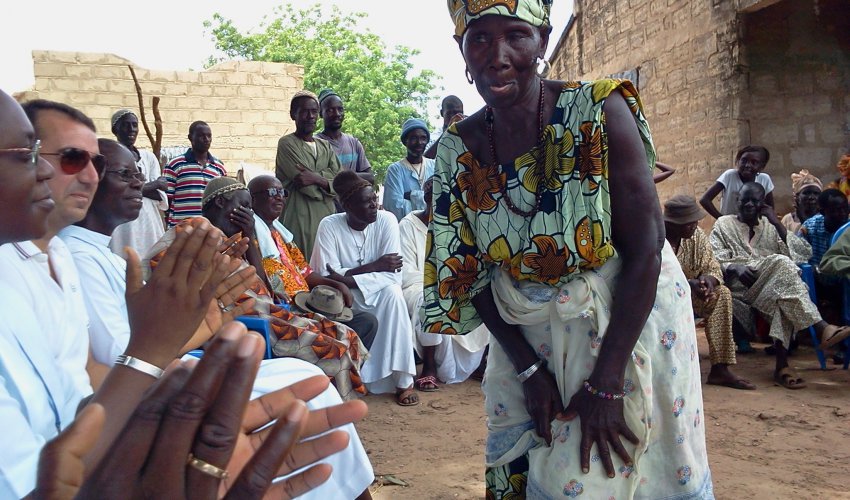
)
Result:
{"points": [[187, 175], [148, 228]]}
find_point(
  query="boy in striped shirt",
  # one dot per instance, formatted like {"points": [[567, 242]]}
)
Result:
{"points": [[188, 175]]}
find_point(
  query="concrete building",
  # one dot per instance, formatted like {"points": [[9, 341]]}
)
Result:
{"points": [[715, 75]]}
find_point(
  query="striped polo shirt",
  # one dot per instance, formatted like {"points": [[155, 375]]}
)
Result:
{"points": [[186, 182]]}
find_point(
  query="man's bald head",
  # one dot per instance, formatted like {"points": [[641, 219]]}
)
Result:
{"points": [[267, 206], [25, 200]]}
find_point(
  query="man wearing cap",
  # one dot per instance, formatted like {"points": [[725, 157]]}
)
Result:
{"points": [[710, 298], [306, 166], [403, 184], [148, 228], [349, 150]]}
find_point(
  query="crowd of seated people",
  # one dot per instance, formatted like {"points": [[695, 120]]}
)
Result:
{"points": [[104, 306]]}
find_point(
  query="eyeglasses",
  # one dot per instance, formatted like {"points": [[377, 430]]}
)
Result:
{"points": [[74, 160], [273, 192], [31, 152], [127, 175]]}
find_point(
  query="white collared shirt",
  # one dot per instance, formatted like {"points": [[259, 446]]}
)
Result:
{"points": [[39, 393], [57, 303], [103, 278]]}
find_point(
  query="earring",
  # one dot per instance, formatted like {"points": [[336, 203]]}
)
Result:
{"points": [[468, 76], [546, 67]]}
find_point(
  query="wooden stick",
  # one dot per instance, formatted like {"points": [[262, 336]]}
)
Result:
{"points": [[142, 107], [157, 124]]}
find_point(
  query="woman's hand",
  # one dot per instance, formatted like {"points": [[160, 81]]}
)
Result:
{"points": [[602, 422], [543, 402]]}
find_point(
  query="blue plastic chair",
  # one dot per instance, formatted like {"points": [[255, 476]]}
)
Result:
{"points": [[845, 286], [808, 276], [254, 324]]}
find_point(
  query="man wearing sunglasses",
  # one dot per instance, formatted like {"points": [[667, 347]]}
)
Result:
{"points": [[187, 175], [148, 228], [285, 266]]}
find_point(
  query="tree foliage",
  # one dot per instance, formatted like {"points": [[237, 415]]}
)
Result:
{"points": [[379, 86]]}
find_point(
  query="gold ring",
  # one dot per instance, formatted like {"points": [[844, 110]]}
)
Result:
{"points": [[206, 468]]}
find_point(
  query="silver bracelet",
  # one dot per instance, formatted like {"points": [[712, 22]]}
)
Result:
{"points": [[528, 372], [140, 365]]}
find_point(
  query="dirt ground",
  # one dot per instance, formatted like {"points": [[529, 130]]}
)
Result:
{"points": [[772, 443]]}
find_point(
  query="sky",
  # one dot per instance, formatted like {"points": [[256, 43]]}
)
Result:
{"points": [[169, 35]]}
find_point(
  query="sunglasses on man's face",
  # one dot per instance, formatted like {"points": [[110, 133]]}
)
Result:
{"points": [[73, 160], [274, 192]]}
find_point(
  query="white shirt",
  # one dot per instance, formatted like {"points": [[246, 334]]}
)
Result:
{"points": [[732, 184], [58, 304], [103, 277], [37, 398], [142, 233]]}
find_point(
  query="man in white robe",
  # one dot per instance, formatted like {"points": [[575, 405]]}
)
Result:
{"points": [[360, 248], [451, 359]]}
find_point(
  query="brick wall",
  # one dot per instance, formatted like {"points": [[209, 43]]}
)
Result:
{"points": [[798, 62], [686, 55], [245, 103], [696, 80]]}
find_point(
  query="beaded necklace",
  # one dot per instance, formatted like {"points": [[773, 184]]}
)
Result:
{"points": [[541, 170]]}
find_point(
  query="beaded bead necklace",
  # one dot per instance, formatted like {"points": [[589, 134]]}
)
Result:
{"points": [[538, 194]]}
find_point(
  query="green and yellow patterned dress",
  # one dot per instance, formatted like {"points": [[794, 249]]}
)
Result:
{"points": [[554, 275]]}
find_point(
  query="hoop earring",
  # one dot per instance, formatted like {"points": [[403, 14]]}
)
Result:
{"points": [[468, 76], [546, 67]]}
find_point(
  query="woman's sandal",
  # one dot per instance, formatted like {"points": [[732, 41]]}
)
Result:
{"points": [[409, 395], [788, 378]]}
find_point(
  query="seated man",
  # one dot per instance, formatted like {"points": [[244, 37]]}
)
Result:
{"points": [[451, 359], [819, 228], [286, 268], [758, 270], [117, 200], [360, 248], [711, 299]]}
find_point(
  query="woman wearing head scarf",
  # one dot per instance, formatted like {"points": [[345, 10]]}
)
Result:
{"points": [[806, 188], [547, 229]]}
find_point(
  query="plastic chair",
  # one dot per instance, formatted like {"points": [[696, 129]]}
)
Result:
{"points": [[255, 324], [845, 286], [808, 276], [261, 326]]}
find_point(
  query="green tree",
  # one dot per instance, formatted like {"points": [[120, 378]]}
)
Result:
{"points": [[379, 86]]}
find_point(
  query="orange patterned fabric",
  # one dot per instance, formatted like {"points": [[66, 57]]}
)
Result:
{"points": [[332, 346], [288, 272]]}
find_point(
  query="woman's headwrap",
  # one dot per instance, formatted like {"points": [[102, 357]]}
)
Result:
{"points": [[534, 12], [802, 180], [220, 186]]}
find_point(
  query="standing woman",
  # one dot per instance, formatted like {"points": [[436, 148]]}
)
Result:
{"points": [[547, 228]]}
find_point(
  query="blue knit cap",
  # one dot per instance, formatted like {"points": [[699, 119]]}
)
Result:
{"points": [[413, 124]]}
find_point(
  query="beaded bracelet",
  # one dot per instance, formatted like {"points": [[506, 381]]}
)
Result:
{"points": [[602, 394]]}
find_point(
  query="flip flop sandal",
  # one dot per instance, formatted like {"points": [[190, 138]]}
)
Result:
{"points": [[421, 384], [839, 334], [788, 379], [736, 384], [405, 394]]}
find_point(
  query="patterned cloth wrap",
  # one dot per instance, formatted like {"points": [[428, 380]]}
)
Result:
{"points": [[332, 346], [463, 12]]}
